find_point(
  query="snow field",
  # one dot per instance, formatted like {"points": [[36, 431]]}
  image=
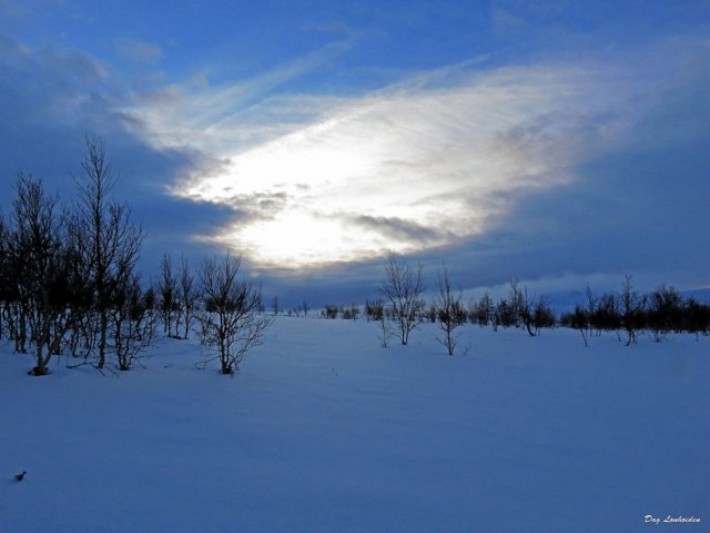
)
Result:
{"points": [[324, 430]]}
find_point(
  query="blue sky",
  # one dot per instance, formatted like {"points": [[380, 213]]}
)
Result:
{"points": [[563, 143]]}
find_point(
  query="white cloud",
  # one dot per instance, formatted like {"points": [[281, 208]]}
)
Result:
{"points": [[445, 153]]}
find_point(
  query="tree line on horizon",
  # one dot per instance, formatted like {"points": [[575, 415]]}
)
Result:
{"points": [[627, 312]]}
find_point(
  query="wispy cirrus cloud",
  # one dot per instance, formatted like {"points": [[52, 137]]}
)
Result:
{"points": [[214, 117]]}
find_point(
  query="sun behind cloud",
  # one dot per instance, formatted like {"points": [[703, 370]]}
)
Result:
{"points": [[404, 169]]}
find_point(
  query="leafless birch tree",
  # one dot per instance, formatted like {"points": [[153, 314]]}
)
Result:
{"points": [[402, 290], [450, 312], [108, 232], [230, 318]]}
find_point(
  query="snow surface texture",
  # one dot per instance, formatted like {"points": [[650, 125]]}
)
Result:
{"points": [[324, 430]]}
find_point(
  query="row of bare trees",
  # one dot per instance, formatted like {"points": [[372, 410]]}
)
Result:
{"points": [[402, 292], [67, 275], [178, 297], [403, 304], [629, 312], [69, 284], [402, 308], [226, 306]]}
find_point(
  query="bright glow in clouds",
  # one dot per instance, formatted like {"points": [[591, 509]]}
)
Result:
{"points": [[415, 166]]}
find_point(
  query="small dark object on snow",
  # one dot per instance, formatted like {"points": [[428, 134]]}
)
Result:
{"points": [[20, 476]]}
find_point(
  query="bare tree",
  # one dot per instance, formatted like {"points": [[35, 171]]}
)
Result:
{"points": [[450, 311], [84, 324], [696, 317], [526, 305], [330, 311], [482, 311], [168, 290], [402, 290], [188, 295], [606, 314], [351, 313], [374, 310], [12, 316], [108, 232], [579, 320], [149, 304], [515, 301], [230, 318], [130, 322], [665, 311], [631, 308], [505, 314], [535, 313], [37, 251]]}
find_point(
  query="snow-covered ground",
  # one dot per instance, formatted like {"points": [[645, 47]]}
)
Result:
{"points": [[324, 430]]}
